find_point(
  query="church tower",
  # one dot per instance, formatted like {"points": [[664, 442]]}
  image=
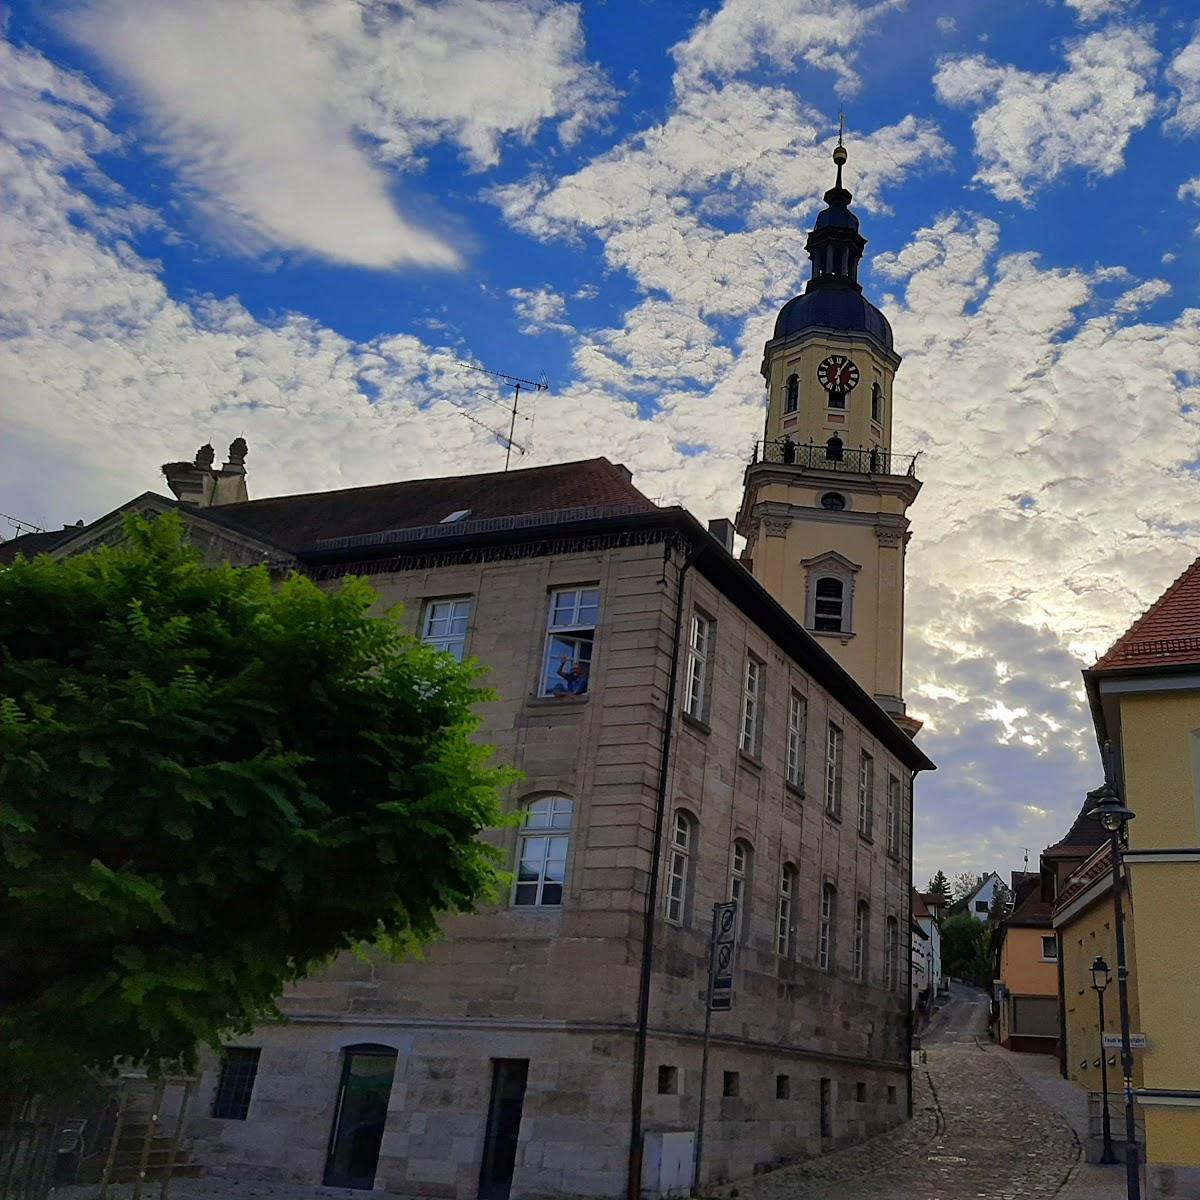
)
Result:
{"points": [[823, 512]]}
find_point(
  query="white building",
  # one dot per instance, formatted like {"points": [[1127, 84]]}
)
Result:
{"points": [[979, 902]]}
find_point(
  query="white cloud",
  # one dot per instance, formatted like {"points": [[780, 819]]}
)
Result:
{"points": [[1183, 74], [280, 115], [946, 24], [742, 34], [540, 310], [1093, 10], [1190, 190], [1031, 127], [1140, 296]]}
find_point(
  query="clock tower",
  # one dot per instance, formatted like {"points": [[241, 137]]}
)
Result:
{"points": [[825, 501]]}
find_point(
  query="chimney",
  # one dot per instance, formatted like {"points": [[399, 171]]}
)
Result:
{"points": [[623, 471], [198, 483], [722, 530]]}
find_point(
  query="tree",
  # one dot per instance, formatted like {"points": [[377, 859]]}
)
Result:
{"points": [[1001, 906], [939, 885], [964, 884], [965, 949], [209, 785]]}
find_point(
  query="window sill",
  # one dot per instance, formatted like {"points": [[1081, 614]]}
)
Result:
{"points": [[695, 723], [845, 636], [866, 837], [796, 789], [750, 760], [564, 701], [833, 816]]}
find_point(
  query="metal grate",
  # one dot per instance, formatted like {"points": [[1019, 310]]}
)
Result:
{"points": [[239, 1067], [824, 456]]}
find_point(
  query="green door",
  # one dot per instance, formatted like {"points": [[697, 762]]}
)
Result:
{"points": [[360, 1116]]}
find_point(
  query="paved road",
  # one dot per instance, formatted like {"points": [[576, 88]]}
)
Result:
{"points": [[979, 1132], [962, 1019]]}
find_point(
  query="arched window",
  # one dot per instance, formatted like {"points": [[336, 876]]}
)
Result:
{"points": [[739, 883], [783, 912], [876, 402], [834, 501], [679, 861], [830, 602], [825, 929], [891, 943], [791, 394], [862, 935], [542, 852]]}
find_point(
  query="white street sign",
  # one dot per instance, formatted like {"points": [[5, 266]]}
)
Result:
{"points": [[1112, 1041]]}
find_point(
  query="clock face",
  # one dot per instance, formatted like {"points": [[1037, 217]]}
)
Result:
{"points": [[837, 374]]}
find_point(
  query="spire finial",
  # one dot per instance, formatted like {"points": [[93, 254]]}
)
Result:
{"points": [[839, 151]]}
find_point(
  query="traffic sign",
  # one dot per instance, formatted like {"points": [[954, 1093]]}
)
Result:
{"points": [[721, 956], [1112, 1041]]}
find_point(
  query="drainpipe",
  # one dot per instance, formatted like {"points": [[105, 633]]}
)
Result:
{"points": [[910, 1023], [650, 916]]}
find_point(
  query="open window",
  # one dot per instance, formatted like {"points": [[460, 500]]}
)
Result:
{"points": [[570, 640]]}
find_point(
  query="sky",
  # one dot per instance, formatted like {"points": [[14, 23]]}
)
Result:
{"points": [[292, 220]]}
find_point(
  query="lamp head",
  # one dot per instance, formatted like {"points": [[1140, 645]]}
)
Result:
{"points": [[1100, 974], [1108, 809]]}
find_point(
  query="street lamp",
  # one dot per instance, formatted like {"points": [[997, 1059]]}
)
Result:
{"points": [[1113, 817], [1100, 978]]}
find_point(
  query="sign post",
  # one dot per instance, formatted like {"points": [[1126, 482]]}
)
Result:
{"points": [[722, 947]]}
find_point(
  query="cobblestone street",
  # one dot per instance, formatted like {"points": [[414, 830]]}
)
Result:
{"points": [[979, 1132]]}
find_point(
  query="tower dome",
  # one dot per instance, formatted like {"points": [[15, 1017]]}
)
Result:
{"points": [[832, 298]]}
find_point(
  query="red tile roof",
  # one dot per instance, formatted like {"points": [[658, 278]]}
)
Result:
{"points": [[1166, 635], [919, 908]]}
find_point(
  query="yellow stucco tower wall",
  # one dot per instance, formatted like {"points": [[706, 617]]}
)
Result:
{"points": [[1160, 753], [825, 499]]}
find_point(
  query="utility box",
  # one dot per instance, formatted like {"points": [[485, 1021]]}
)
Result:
{"points": [[667, 1162]]}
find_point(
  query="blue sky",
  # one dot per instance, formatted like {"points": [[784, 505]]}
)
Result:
{"points": [[290, 220]]}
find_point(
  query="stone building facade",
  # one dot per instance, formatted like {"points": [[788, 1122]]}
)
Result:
{"points": [[686, 735]]}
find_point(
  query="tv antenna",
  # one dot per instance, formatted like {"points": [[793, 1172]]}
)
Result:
{"points": [[20, 527], [538, 385], [1026, 858]]}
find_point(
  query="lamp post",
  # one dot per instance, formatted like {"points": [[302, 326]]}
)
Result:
{"points": [[1100, 978], [1113, 817]]}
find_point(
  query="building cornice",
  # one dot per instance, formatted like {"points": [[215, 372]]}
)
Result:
{"points": [[826, 334]]}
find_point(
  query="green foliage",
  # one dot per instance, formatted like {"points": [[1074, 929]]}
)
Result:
{"points": [[940, 885], [969, 949], [208, 786]]}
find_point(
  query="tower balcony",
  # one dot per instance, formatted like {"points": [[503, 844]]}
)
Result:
{"points": [[834, 456]]}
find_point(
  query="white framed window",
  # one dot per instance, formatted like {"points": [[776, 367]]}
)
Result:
{"points": [[752, 682], [542, 853], [444, 626], [1049, 949], [891, 945], [829, 607], [797, 732], [862, 937], [893, 816], [825, 926], [866, 794], [695, 697], [739, 883], [678, 867], [570, 640], [834, 741], [783, 911]]}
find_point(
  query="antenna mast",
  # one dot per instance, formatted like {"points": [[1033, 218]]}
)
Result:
{"points": [[538, 385]]}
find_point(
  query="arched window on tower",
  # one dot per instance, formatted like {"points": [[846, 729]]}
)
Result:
{"points": [[876, 402], [830, 604], [791, 394]]}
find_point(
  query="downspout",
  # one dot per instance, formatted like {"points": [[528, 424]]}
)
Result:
{"points": [[650, 916], [910, 1022]]}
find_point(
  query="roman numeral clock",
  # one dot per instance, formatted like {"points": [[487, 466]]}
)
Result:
{"points": [[837, 374]]}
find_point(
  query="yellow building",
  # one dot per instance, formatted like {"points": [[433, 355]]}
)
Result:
{"points": [[1083, 921], [1145, 700], [823, 511], [1029, 971]]}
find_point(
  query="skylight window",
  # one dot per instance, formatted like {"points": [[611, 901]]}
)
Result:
{"points": [[459, 514]]}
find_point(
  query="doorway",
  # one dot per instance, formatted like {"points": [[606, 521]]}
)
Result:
{"points": [[360, 1116], [509, 1076]]}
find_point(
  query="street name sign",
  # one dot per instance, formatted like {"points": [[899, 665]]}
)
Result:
{"points": [[1112, 1041]]}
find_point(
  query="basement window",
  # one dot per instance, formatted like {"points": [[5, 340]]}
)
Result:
{"points": [[239, 1068]]}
